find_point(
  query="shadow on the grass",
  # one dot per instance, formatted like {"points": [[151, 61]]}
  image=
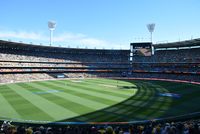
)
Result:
{"points": [[141, 106]]}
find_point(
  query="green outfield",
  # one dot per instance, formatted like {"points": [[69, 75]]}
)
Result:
{"points": [[97, 100]]}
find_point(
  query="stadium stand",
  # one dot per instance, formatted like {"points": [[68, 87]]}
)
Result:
{"points": [[178, 60], [21, 62], [33, 62]]}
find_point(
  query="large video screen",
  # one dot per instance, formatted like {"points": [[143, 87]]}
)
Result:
{"points": [[141, 49]]}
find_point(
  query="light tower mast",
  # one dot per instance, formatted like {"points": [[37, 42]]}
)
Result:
{"points": [[151, 28], [52, 26]]}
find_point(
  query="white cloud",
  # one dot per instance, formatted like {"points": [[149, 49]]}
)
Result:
{"points": [[94, 42], [81, 40], [21, 35], [68, 36], [70, 39]]}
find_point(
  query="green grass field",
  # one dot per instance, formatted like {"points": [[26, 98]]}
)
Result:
{"points": [[96, 100]]}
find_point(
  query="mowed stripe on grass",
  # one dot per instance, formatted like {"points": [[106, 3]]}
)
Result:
{"points": [[23, 107], [68, 102], [108, 88], [7, 109], [77, 92], [145, 104], [79, 96], [74, 98], [90, 87], [90, 90], [55, 111], [60, 99]]}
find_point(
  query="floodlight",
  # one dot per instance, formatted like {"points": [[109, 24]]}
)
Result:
{"points": [[52, 26], [151, 28]]}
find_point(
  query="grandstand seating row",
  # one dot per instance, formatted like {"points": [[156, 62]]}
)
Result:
{"points": [[42, 62]]}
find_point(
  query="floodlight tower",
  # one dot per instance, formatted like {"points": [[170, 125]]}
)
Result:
{"points": [[52, 26], [151, 28]]}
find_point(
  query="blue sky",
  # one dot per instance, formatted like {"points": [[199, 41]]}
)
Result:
{"points": [[99, 23]]}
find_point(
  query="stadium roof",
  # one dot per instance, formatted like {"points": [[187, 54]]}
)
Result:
{"points": [[187, 43], [30, 47]]}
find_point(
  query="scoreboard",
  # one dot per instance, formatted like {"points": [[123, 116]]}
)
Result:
{"points": [[141, 49]]}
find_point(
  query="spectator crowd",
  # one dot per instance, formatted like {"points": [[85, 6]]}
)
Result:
{"points": [[181, 127]]}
